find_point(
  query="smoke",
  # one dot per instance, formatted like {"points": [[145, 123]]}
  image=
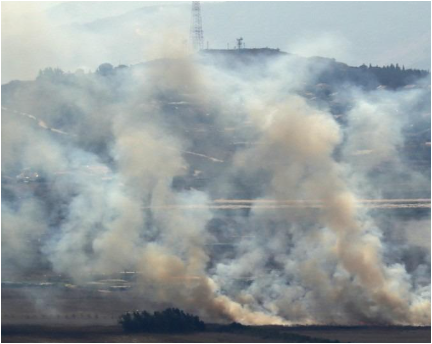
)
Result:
{"points": [[21, 37], [139, 156], [76, 36], [297, 148], [21, 227], [325, 45], [417, 234]]}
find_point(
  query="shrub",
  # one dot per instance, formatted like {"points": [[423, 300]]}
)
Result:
{"points": [[171, 320]]}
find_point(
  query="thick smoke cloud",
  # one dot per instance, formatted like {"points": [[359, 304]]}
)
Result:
{"points": [[121, 151]]}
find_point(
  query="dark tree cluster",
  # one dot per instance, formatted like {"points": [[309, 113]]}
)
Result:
{"points": [[369, 77], [171, 320], [53, 74], [395, 76]]}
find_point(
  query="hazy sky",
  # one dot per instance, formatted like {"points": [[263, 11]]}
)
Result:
{"points": [[47, 4], [73, 35]]}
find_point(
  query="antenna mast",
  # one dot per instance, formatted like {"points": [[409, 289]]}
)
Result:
{"points": [[196, 31]]}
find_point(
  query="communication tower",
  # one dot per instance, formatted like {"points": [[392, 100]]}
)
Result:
{"points": [[196, 31]]}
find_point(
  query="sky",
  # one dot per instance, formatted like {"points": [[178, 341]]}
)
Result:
{"points": [[82, 35], [48, 4]]}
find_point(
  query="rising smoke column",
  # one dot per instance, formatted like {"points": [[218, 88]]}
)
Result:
{"points": [[305, 266], [348, 280]]}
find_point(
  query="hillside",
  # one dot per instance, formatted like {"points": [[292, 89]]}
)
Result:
{"points": [[372, 27]]}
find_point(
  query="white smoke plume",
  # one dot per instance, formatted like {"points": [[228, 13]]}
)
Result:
{"points": [[110, 201]]}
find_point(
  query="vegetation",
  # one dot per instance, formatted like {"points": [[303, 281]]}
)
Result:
{"points": [[171, 320], [393, 76]]}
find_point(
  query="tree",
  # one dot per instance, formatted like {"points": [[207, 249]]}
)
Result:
{"points": [[171, 320], [54, 75], [105, 69]]}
